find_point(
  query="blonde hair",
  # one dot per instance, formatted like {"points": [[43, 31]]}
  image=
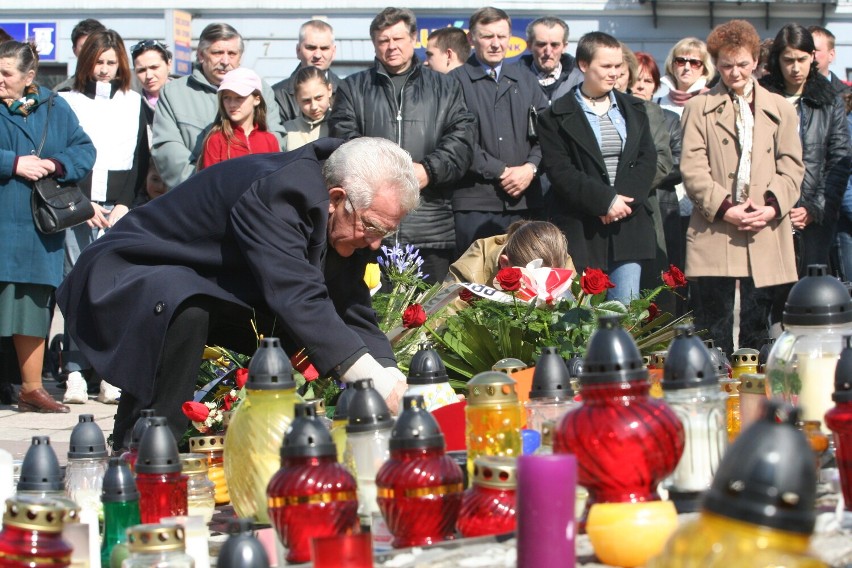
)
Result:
{"points": [[686, 45], [528, 240]]}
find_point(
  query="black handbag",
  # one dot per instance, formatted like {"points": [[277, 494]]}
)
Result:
{"points": [[57, 205]]}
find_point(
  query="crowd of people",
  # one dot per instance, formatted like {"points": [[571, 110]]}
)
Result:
{"points": [[731, 160]]}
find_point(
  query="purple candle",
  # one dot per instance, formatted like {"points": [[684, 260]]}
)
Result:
{"points": [[546, 523]]}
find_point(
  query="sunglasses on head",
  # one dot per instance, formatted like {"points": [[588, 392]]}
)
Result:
{"points": [[147, 44], [694, 63]]}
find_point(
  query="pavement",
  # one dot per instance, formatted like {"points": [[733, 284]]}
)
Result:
{"points": [[18, 428]]}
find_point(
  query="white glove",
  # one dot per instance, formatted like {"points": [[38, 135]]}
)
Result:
{"points": [[385, 379]]}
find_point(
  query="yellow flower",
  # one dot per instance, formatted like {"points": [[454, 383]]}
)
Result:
{"points": [[372, 275]]}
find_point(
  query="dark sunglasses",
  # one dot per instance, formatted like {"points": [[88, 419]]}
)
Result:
{"points": [[147, 44], [694, 63]]}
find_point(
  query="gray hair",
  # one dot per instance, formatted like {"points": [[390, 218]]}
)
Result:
{"points": [[24, 54], [363, 165], [549, 22], [218, 32], [318, 25]]}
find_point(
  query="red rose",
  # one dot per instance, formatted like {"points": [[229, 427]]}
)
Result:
{"points": [[674, 278], [228, 401], [240, 377], [466, 295], [413, 316], [594, 281], [653, 312], [509, 279], [195, 411]]}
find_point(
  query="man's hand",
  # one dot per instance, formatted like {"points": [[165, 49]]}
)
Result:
{"points": [[800, 217], [116, 214], [618, 211], [34, 168], [515, 180], [394, 399], [422, 176]]}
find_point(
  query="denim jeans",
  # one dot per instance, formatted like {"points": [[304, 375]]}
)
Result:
{"points": [[625, 275]]}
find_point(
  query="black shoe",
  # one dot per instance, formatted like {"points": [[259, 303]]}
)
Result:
{"points": [[7, 393]]}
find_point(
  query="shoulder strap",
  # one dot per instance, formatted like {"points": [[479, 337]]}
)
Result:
{"points": [[46, 124]]}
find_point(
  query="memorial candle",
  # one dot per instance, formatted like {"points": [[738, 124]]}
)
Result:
{"points": [[546, 522]]}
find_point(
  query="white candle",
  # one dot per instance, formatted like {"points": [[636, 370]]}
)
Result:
{"points": [[817, 379]]}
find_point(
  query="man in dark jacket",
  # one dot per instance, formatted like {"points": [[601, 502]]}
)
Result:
{"points": [[501, 186], [824, 55], [422, 111], [271, 239], [316, 48], [547, 38]]}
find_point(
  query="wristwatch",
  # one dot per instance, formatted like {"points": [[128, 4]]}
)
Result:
{"points": [[534, 167]]}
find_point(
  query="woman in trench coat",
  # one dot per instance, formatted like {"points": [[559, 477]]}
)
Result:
{"points": [[742, 168]]}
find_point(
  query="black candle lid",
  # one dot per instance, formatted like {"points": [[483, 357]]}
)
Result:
{"points": [[843, 373], [341, 409], [140, 426], [158, 451], [767, 477], [688, 363], [87, 439], [119, 485], [307, 436], [270, 368], [818, 299], [551, 378], [426, 367], [415, 428], [367, 409], [612, 356], [40, 469], [242, 549]]}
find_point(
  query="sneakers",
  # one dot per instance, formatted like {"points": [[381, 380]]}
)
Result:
{"points": [[76, 389], [108, 393]]}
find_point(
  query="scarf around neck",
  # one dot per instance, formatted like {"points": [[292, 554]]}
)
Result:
{"points": [[680, 98], [26, 104], [745, 132]]}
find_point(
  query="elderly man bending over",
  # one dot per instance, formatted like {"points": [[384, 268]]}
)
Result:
{"points": [[281, 239]]}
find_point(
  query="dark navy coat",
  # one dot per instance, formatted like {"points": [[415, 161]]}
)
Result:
{"points": [[252, 231]]}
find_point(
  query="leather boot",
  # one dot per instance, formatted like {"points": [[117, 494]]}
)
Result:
{"points": [[39, 400]]}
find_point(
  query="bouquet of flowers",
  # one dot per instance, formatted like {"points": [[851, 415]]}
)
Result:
{"points": [[533, 307]]}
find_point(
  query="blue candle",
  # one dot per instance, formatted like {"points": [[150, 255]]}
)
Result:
{"points": [[546, 522]]}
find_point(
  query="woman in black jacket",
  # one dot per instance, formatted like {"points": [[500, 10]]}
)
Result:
{"points": [[600, 157], [825, 141]]}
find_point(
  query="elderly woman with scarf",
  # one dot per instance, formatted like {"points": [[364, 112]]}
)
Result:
{"points": [[742, 168]]}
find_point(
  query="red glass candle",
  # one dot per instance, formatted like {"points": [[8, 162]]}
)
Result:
{"points": [[625, 441], [488, 506], [839, 420], [312, 495], [419, 487], [132, 453], [162, 487], [32, 533]]}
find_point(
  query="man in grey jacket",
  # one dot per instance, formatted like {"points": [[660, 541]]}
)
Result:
{"points": [[188, 105], [424, 112]]}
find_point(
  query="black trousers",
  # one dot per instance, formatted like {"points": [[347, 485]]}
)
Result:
{"points": [[716, 311], [198, 321], [473, 225]]}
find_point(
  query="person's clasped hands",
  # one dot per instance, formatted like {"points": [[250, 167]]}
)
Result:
{"points": [[747, 216]]}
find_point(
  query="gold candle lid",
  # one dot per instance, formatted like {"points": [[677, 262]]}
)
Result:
{"points": [[744, 357], [193, 463], [155, 538], [547, 428], [491, 387], [509, 365], [40, 513], [730, 386], [646, 360], [753, 383], [207, 443], [658, 358], [498, 472]]}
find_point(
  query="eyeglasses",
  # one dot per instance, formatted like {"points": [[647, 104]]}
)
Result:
{"points": [[147, 44], [694, 63], [370, 230]]}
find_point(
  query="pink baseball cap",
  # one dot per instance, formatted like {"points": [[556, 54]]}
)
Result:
{"points": [[242, 81]]}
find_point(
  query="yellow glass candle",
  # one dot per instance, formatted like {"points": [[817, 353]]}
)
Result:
{"points": [[492, 417], [628, 534], [731, 387], [213, 449], [743, 361]]}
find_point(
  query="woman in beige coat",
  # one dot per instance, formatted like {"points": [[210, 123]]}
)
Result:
{"points": [[742, 169]]}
